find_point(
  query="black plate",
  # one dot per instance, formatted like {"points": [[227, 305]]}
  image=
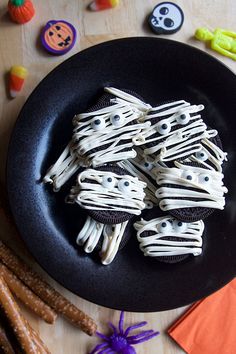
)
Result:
{"points": [[158, 70]]}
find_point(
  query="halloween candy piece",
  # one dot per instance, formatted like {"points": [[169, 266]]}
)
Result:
{"points": [[168, 239], [120, 340], [103, 134], [221, 40], [98, 5], [48, 294], [166, 18], [190, 191], [58, 37], [110, 194], [176, 131], [21, 11], [17, 79], [23, 293]]}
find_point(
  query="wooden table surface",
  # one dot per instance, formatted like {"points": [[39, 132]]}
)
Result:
{"points": [[20, 45]]}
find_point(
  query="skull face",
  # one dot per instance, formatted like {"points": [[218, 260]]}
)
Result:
{"points": [[166, 18]]}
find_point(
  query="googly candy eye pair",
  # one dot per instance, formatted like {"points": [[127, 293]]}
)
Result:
{"points": [[202, 178], [110, 194], [109, 182], [171, 226], [164, 127], [116, 119]]}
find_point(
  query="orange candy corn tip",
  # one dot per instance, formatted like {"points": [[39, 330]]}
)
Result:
{"points": [[98, 5], [16, 80]]}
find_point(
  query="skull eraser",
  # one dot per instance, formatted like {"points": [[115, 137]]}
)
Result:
{"points": [[166, 18]]}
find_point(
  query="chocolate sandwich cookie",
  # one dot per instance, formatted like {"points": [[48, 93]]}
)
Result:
{"points": [[190, 191], [175, 132], [103, 134], [110, 194], [168, 239]]}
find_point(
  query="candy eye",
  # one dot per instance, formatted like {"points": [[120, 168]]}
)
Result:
{"points": [[108, 182], [164, 127], [98, 123], [201, 155], [117, 119], [147, 165], [124, 185], [188, 175], [183, 118], [164, 227], [179, 226], [204, 179]]}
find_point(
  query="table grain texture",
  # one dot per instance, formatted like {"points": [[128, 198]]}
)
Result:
{"points": [[20, 45]]}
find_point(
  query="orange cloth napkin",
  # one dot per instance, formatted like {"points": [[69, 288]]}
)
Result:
{"points": [[209, 326]]}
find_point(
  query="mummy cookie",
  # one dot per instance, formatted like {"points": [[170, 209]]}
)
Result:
{"points": [[101, 135], [168, 239], [189, 191], [166, 18], [175, 133], [109, 194], [105, 135]]}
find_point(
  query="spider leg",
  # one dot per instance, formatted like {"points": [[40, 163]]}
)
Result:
{"points": [[98, 347], [121, 322], [140, 335], [106, 351], [143, 339], [131, 328], [113, 327], [102, 336]]}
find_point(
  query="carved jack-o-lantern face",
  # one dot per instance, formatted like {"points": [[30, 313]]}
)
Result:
{"points": [[58, 37]]}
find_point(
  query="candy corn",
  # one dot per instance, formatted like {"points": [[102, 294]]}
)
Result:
{"points": [[98, 5], [17, 78]]}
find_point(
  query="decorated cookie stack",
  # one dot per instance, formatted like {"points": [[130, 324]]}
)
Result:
{"points": [[130, 156]]}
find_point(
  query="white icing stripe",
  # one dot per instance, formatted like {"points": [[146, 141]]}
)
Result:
{"points": [[212, 153], [96, 194], [172, 143], [112, 240], [210, 188], [156, 246], [128, 98], [99, 130], [93, 231], [66, 165], [150, 197]]}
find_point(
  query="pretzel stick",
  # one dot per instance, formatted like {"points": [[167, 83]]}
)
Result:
{"points": [[5, 344], [36, 339], [46, 292], [16, 319], [23, 293]]}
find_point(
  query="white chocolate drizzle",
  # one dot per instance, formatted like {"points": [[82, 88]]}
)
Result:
{"points": [[66, 165], [156, 245], [106, 135], [85, 137], [210, 154], [180, 138], [190, 186], [111, 236], [105, 190]]}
